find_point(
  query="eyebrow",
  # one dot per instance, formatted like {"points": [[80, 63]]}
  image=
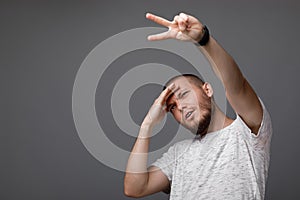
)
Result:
{"points": [[183, 90], [179, 94]]}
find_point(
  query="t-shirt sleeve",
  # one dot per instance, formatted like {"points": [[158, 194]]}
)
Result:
{"points": [[166, 162], [263, 137]]}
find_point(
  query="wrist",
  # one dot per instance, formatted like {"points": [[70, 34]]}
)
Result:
{"points": [[145, 131], [205, 36], [146, 125]]}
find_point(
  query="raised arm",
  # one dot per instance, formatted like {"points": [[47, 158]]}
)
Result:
{"points": [[239, 93], [140, 181]]}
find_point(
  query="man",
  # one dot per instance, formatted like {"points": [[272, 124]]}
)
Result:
{"points": [[228, 159]]}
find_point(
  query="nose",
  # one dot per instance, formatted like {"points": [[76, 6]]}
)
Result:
{"points": [[180, 105]]}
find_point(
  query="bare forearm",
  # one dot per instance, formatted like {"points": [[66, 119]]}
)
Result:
{"points": [[138, 181], [224, 66], [136, 176]]}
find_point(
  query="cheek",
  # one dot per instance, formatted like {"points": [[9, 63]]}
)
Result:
{"points": [[177, 116], [203, 101]]}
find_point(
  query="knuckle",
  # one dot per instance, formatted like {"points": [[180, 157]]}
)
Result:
{"points": [[176, 17], [183, 15]]}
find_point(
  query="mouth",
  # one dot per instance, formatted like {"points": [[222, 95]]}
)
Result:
{"points": [[188, 114]]}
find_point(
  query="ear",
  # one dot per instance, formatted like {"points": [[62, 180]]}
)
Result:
{"points": [[208, 89]]}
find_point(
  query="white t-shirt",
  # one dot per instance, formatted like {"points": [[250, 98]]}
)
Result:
{"points": [[231, 163]]}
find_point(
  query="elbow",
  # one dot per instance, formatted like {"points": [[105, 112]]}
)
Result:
{"points": [[127, 191], [135, 186], [130, 191]]}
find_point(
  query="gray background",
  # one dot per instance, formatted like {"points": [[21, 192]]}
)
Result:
{"points": [[43, 44]]}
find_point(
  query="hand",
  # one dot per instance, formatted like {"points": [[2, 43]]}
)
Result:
{"points": [[159, 109], [183, 27]]}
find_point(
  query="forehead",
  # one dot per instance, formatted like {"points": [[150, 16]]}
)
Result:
{"points": [[182, 82]]}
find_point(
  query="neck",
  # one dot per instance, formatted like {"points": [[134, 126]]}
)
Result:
{"points": [[218, 119]]}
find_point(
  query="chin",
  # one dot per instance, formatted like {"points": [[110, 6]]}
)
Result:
{"points": [[192, 128], [203, 125]]}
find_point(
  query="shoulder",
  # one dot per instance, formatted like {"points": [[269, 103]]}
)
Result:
{"points": [[181, 145], [265, 128]]}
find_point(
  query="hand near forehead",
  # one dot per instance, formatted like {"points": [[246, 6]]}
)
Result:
{"points": [[158, 110], [183, 27]]}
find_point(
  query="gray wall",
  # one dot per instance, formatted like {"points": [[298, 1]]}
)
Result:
{"points": [[43, 44]]}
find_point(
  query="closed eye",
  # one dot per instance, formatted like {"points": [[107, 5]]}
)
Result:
{"points": [[184, 93]]}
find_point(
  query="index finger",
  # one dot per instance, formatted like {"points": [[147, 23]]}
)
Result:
{"points": [[166, 93], [158, 20]]}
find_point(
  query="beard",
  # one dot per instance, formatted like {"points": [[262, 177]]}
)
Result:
{"points": [[204, 124], [201, 127]]}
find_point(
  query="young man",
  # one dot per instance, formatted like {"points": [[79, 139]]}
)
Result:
{"points": [[228, 159]]}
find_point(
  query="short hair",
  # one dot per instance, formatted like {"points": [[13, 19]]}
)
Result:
{"points": [[192, 78]]}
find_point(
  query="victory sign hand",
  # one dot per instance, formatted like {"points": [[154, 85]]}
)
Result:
{"points": [[183, 27]]}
